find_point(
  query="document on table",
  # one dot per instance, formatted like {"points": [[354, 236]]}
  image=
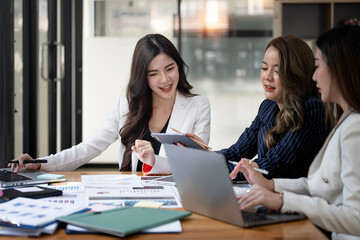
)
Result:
{"points": [[241, 189], [132, 195], [26, 212], [111, 181], [68, 187], [68, 199]]}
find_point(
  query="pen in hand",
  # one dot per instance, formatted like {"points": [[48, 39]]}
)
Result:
{"points": [[263, 171], [29, 161]]}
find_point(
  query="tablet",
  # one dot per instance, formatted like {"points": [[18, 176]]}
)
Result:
{"points": [[167, 180], [174, 138]]}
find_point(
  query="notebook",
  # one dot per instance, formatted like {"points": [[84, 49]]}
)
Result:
{"points": [[204, 185], [23, 178], [125, 220]]}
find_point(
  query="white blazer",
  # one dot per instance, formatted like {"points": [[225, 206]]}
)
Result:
{"points": [[189, 114], [330, 196]]}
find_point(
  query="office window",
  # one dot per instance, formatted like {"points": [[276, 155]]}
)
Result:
{"points": [[114, 18], [223, 42]]}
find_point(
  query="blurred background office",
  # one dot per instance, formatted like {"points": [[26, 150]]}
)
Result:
{"points": [[64, 62]]}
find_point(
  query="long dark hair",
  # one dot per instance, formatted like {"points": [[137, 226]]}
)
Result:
{"points": [[340, 48], [139, 94], [295, 71]]}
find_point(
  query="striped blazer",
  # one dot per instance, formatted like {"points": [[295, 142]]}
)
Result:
{"points": [[292, 155]]}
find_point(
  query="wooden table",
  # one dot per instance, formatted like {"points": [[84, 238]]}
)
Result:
{"points": [[200, 227]]}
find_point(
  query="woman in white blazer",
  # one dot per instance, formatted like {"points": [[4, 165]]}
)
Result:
{"points": [[330, 195], [158, 98]]}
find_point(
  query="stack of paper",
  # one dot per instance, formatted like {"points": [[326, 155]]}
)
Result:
{"points": [[31, 217], [27, 232], [173, 227]]}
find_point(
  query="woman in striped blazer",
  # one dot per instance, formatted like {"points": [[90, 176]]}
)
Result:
{"points": [[290, 127]]}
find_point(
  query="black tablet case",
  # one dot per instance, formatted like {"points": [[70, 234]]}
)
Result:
{"points": [[9, 194]]}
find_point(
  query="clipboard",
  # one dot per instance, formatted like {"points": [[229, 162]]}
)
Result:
{"points": [[124, 221]]}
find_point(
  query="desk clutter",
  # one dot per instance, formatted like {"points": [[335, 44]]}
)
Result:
{"points": [[119, 205]]}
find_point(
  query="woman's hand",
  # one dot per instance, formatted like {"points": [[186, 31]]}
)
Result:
{"points": [[259, 195], [144, 152], [15, 167], [194, 137], [198, 140], [252, 176]]}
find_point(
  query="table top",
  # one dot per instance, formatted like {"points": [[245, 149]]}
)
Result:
{"points": [[200, 227]]}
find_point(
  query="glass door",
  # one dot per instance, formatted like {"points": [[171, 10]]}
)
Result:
{"points": [[43, 112], [55, 76]]}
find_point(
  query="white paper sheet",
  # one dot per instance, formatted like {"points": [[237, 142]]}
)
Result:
{"points": [[130, 196], [68, 187], [68, 199], [111, 181]]}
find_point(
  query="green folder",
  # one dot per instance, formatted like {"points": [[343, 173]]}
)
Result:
{"points": [[124, 221]]}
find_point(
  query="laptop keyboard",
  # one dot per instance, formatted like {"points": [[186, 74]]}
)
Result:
{"points": [[254, 217], [8, 176]]}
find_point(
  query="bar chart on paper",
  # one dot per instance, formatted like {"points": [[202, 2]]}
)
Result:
{"points": [[127, 190], [131, 196]]}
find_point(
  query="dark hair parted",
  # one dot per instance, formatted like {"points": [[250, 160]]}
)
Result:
{"points": [[139, 94], [296, 68], [340, 48]]}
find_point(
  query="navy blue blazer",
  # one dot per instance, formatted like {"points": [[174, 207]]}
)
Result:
{"points": [[292, 155]]}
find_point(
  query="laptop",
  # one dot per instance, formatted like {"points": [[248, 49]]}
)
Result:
{"points": [[204, 185], [23, 178]]}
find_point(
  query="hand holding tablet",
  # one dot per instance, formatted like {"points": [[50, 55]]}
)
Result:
{"points": [[175, 138]]}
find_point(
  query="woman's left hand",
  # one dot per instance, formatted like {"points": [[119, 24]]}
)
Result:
{"points": [[260, 196], [144, 152]]}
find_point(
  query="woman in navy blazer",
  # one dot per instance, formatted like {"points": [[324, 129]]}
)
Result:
{"points": [[291, 155], [290, 127]]}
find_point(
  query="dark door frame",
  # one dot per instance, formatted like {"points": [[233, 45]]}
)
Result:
{"points": [[30, 76], [71, 85], [6, 81], [71, 88]]}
